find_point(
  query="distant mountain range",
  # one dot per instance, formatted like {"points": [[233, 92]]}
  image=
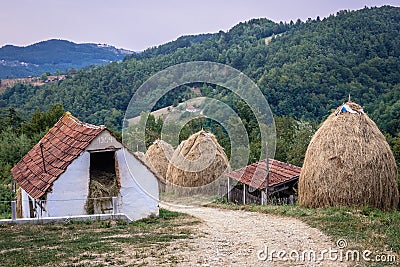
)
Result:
{"points": [[53, 55]]}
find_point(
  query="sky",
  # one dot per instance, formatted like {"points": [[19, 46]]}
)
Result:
{"points": [[137, 25]]}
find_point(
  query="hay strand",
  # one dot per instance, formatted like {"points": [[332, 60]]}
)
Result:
{"points": [[102, 187], [141, 156]]}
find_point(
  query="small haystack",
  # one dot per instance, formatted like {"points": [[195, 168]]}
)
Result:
{"points": [[158, 155], [197, 162], [349, 163]]}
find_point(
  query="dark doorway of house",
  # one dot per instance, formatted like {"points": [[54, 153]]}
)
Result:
{"points": [[102, 162], [103, 182]]}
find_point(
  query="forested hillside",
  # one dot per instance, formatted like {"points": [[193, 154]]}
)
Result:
{"points": [[54, 55], [308, 69]]}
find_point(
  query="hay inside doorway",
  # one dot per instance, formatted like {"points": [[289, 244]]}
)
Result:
{"points": [[104, 182]]}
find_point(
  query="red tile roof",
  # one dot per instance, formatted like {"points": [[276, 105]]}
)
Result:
{"points": [[64, 142], [256, 173], [191, 108]]}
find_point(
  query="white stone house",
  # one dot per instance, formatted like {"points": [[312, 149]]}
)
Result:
{"points": [[54, 176]]}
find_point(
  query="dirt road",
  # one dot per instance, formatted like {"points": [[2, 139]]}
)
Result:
{"points": [[236, 237]]}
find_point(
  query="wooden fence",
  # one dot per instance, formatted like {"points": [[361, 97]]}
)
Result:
{"points": [[236, 196]]}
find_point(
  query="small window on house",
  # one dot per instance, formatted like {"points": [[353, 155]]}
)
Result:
{"points": [[103, 183]]}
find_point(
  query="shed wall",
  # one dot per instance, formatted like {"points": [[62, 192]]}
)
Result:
{"points": [[25, 204], [139, 187]]}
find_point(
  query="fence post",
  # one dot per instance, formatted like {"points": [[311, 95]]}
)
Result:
{"points": [[228, 194], [244, 194], [263, 197], [291, 200], [13, 210], [114, 204]]}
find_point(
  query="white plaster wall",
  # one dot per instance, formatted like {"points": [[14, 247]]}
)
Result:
{"points": [[139, 187], [70, 190], [25, 204]]}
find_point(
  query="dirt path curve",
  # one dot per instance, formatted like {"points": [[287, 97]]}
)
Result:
{"points": [[235, 237]]}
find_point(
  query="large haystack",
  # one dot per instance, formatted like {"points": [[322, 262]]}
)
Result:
{"points": [[349, 163], [158, 155], [197, 162]]}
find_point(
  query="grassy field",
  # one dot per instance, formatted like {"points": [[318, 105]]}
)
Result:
{"points": [[106, 243], [363, 228]]}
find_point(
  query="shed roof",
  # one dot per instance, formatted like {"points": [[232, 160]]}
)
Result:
{"points": [[62, 144], [255, 174]]}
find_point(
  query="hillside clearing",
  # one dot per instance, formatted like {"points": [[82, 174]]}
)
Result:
{"points": [[171, 111], [34, 81]]}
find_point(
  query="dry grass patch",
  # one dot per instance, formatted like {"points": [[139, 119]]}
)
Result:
{"points": [[105, 243]]}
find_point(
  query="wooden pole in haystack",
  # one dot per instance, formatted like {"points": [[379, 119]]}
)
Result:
{"points": [[267, 178]]}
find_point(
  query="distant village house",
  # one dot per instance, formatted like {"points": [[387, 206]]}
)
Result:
{"points": [[191, 109]]}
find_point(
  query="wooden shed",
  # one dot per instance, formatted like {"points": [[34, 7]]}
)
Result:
{"points": [[253, 184]]}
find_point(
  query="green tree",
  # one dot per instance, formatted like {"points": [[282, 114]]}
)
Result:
{"points": [[44, 76], [301, 138], [285, 131], [13, 146], [10, 117], [40, 122]]}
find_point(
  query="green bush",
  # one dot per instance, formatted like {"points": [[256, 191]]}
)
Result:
{"points": [[5, 204]]}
